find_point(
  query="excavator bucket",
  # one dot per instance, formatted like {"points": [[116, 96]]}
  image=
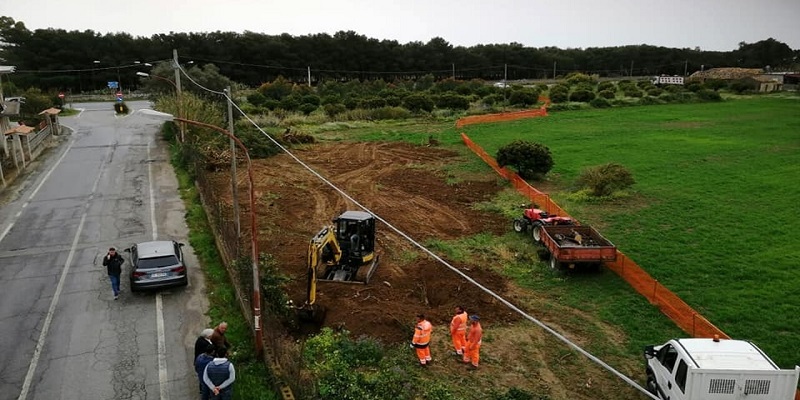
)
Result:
{"points": [[311, 314]]}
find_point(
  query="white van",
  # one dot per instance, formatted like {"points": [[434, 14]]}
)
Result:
{"points": [[714, 369]]}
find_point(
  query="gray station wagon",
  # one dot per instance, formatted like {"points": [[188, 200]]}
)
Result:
{"points": [[157, 264]]}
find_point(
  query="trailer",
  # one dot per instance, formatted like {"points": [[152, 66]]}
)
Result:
{"points": [[667, 80], [569, 247]]}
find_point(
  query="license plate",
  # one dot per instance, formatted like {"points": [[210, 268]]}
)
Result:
{"points": [[159, 275]]}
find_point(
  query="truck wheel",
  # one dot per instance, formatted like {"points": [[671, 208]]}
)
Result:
{"points": [[555, 265], [537, 233], [519, 225]]}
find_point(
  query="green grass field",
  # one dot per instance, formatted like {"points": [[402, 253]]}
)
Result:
{"points": [[714, 215]]}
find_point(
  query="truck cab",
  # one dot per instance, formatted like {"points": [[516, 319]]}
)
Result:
{"points": [[714, 369]]}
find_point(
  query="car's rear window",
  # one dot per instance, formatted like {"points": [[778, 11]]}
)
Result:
{"points": [[157, 262]]}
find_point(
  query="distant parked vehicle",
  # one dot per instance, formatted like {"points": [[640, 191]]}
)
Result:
{"points": [[157, 264], [20, 100], [572, 246]]}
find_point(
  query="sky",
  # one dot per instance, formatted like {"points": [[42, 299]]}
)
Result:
{"points": [[708, 24]]}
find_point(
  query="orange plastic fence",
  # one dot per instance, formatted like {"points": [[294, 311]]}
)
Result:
{"points": [[670, 304], [509, 116]]}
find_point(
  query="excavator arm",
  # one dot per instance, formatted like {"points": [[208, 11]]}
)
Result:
{"points": [[323, 248]]}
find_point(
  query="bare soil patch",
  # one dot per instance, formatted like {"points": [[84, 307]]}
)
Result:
{"points": [[403, 184]]}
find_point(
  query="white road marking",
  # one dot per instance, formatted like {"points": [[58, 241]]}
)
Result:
{"points": [[162, 348], [49, 319], [53, 168]]}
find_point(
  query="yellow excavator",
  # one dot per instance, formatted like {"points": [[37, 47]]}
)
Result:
{"points": [[342, 252]]}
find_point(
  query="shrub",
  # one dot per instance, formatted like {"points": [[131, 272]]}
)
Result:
{"points": [[271, 104], [311, 99], [256, 99], [568, 106], [523, 97], [334, 109], [541, 88], [644, 84], [331, 99], [605, 85], [669, 97], [600, 102], [649, 101], [740, 86], [604, 180], [581, 95], [694, 87], [674, 88], [558, 97], [418, 102], [290, 103], [559, 88], [385, 113], [308, 108], [453, 102], [715, 84], [493, 99], [655, 92], [373, 103], [607, 94], [393, 100], [575, 78], [708, 95], [531, 160], [632, 92]]}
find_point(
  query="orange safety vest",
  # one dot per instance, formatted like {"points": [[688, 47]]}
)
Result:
{"points": [[458, 324], [422, 333], [475, 335]]}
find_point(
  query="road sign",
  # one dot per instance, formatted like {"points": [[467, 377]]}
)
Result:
{"points": [[113, 84]]}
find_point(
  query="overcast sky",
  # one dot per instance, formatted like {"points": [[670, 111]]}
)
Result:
{"points": [[708, 24]]}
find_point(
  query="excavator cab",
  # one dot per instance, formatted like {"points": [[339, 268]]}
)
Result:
{"points": [[355, 236]]}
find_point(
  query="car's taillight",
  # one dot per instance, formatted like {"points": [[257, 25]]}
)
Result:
{"points": [[179, 269], [138, 274]]}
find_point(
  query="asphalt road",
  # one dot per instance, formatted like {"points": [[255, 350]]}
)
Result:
{"points": [[108, 183]]}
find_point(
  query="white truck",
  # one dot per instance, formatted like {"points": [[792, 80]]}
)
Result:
{"points": [[714, 369], [667, 80]]}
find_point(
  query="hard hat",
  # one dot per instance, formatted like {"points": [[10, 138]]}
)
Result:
{"points": [[474, 318]]}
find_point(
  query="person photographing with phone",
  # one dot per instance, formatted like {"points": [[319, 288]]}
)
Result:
{"points": [[113, 262]]}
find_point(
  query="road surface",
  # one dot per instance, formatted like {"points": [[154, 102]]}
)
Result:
{"points": [[108, 183]]}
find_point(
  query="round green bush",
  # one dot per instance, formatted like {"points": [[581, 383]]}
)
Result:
{"points": [[334, 109], [558, 97], [607, 94], [632, 92], [600, 102], [605, 85], [655, 92], [709, 95], [582, 96], [649, 101]]}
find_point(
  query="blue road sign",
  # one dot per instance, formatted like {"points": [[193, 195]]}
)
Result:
{"points": [[113, 84]]}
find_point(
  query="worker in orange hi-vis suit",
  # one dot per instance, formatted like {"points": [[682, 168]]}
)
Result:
{"points": [[422, 340], [472, 355], [458, 331]]}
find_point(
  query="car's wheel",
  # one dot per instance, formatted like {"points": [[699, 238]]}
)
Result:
{"points": [[555, 265], [519, 225], [652, 385], [537, 233]]}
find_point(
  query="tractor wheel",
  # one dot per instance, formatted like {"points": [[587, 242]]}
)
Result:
{"points": [[555, 265], [519, 225], [537, 233]]}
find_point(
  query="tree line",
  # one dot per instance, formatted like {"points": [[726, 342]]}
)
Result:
{"points": [[77, 61]]}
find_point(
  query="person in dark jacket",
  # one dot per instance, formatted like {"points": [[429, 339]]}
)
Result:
{"points": [[218, 337], [219, 376], [203, 341], [200, 363], [113, 263]]}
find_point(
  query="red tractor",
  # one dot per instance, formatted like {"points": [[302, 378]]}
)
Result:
{"points": [[533, 219]]}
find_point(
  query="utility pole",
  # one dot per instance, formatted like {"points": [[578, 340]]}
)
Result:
{"points": [[234, 183], [554, 70], [454, 71], [181, 126], [309, 76], [631, 73], [686, 68]]}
